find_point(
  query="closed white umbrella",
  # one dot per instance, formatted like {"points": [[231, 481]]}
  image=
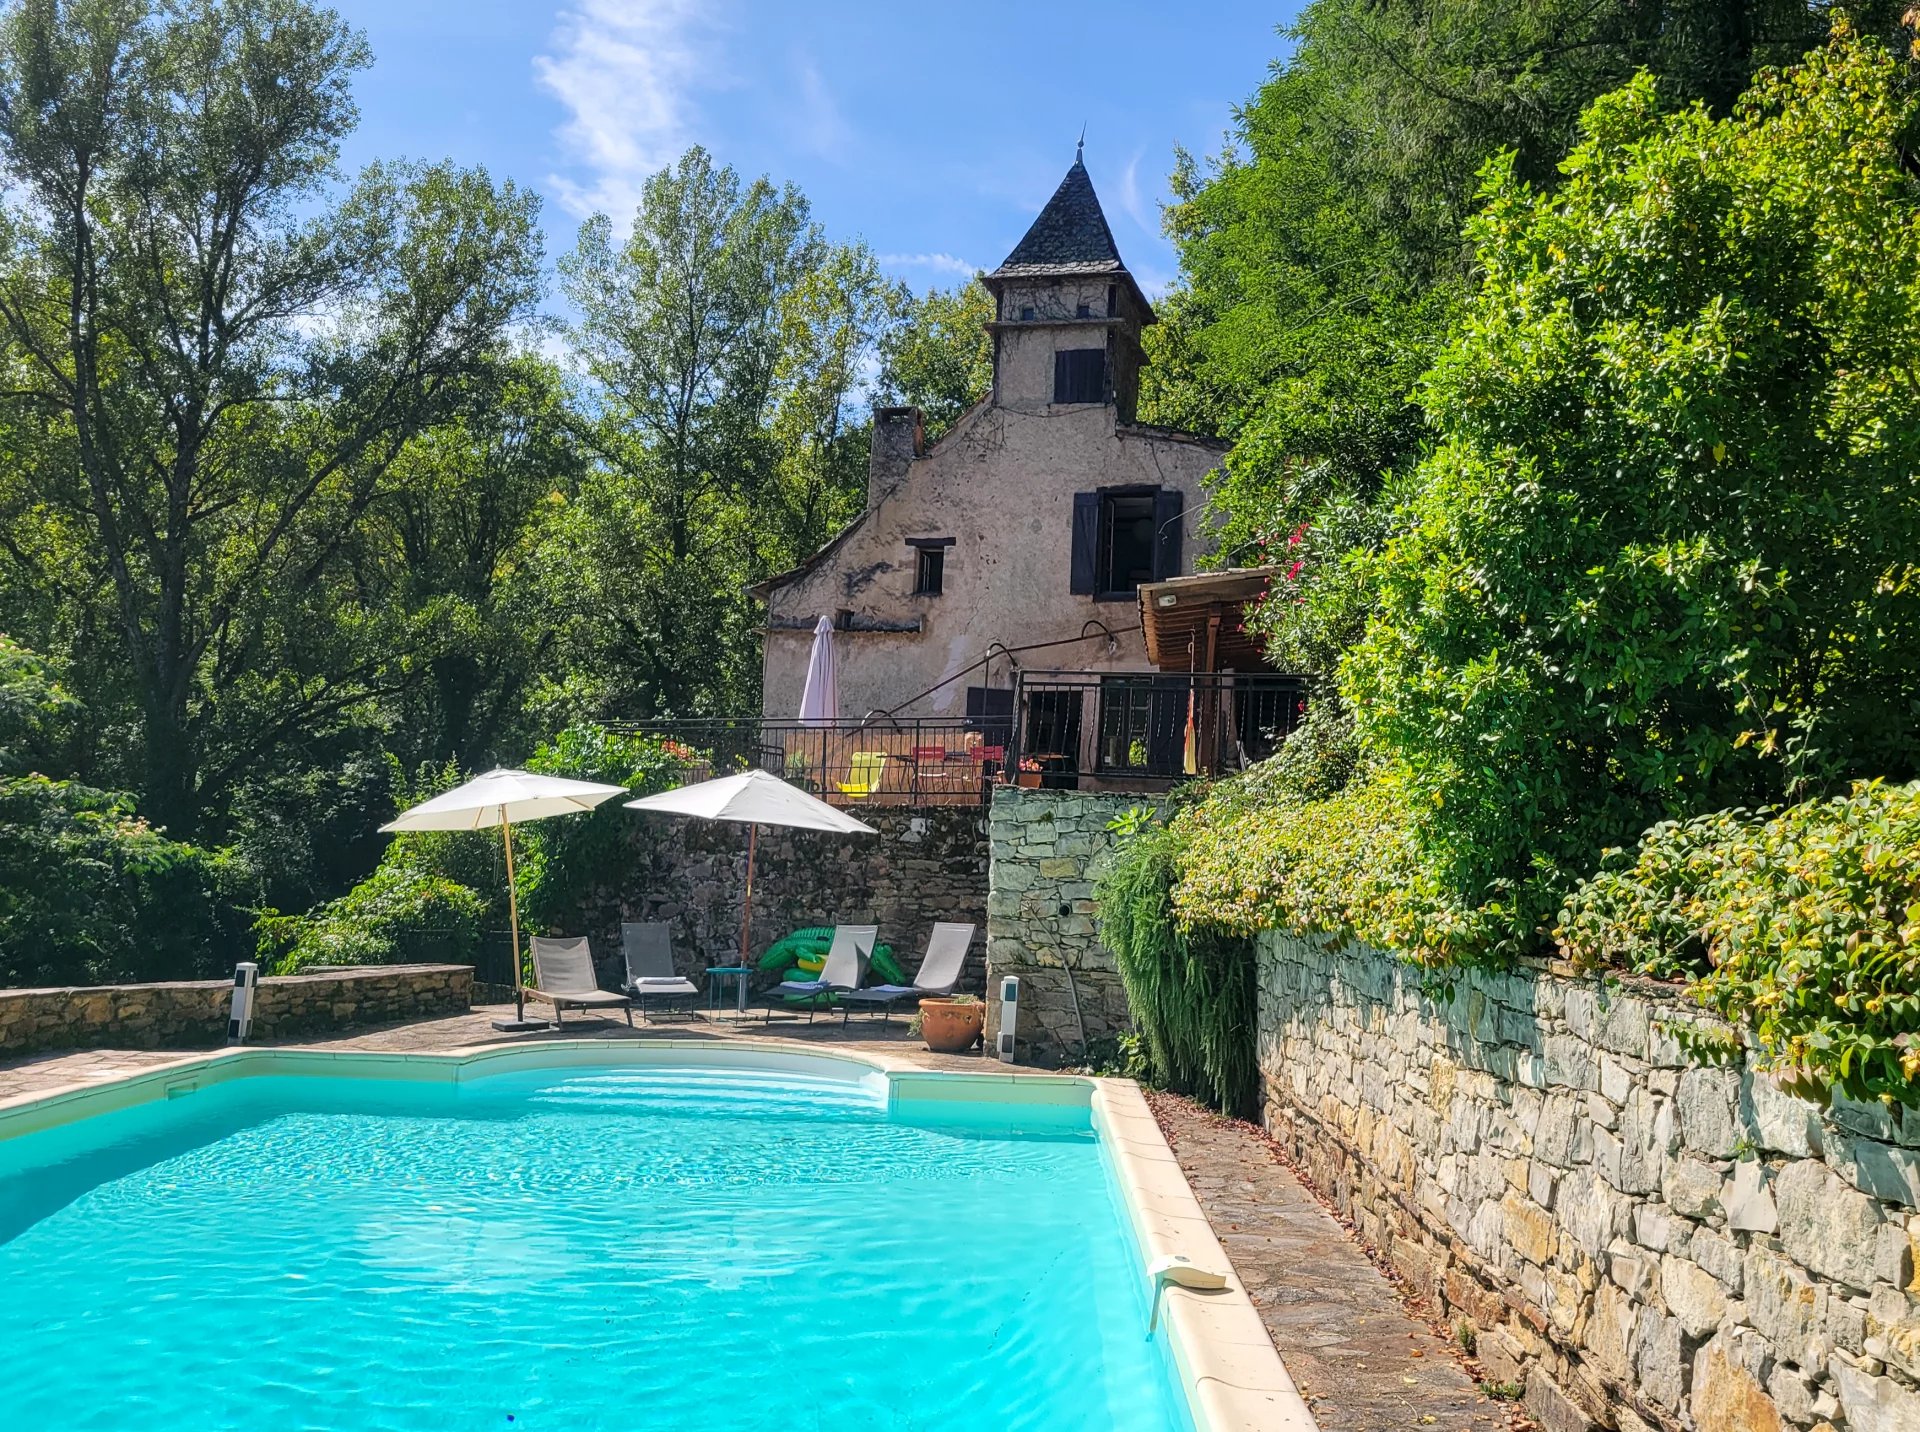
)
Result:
{"points": [[505, 798], [753, 799], [820, 699]]}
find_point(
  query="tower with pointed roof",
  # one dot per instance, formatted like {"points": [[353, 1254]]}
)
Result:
{"points": [[1067, 314], [1022, 537]]}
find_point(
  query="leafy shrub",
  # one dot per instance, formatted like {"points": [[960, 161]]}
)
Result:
{"points": [[1807, 919], [1255, 856], [90, 894], [1660, 561], [1190, 988], [400, 914], [565, 863]]}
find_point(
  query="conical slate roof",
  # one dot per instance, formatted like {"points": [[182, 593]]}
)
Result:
{"points": [[1070, 236]]}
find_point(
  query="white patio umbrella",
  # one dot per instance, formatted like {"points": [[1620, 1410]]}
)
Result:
{"points": [[505, 798], [820, 698], [753, 799]]}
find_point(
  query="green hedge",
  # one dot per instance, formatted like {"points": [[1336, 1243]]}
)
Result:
{"points": [[1190, 989], [1799, 925]]}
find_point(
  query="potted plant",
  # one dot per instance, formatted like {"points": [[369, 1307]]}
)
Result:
{"points": [[1029, 772], [950, 1024]]}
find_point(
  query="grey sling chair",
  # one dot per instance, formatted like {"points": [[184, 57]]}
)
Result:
{"points": [[650, 975], [939, 972], [845, 968], [563, 971]]}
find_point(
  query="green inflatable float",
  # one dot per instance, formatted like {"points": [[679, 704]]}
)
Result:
{"points": [[803, 954]]}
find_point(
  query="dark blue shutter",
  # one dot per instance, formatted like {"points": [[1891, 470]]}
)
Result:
{"points": [[1086, 542], [1168, 505]]}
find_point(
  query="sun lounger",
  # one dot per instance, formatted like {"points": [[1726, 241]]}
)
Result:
{"points": [[563, 974], [651, 980], [939, 972], [845, 968]]}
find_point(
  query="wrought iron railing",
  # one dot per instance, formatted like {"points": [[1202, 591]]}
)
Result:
{"points": [[1147, 728], [884, 761]]}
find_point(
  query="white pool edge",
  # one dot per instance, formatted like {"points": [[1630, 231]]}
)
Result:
{"points": [[1233, 1379]]}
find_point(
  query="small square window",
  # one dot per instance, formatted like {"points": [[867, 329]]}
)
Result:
{"points": [[1083, 311], [929, 571], [1027, 312]]}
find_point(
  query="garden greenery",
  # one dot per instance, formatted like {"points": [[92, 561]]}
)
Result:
{"points": [[437, 894], [1189, 987], [1655, 574]]}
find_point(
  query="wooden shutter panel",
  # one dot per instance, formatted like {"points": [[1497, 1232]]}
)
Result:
{"points": [[1168, 505], [1086, 542]]}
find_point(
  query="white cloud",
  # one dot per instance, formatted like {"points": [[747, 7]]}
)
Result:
{"points": [[625, 70], [822, 127], [939, 263], [1131, 200]]}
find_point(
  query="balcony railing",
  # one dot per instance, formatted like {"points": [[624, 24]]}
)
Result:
{"points": [[1147, 729], [1143, 730], [885, 761]]}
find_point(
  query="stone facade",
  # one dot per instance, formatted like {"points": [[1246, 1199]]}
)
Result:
{"points": [[1640, 1240], [996, 496], [924, 866], [189, 1014], [1040, 919]]}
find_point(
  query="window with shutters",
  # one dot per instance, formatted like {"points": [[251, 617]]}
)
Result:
{"points": [[1080, 375], [1123, 536], [1125, 556]]}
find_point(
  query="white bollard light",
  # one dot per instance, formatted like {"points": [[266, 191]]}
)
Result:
{"points": [[1009, 1017], [245, 977]]}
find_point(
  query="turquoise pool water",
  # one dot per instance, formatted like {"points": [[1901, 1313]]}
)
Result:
{"points": [[597, 1248]]}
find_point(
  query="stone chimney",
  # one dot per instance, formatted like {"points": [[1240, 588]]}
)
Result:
{"points": [[898, 438]]}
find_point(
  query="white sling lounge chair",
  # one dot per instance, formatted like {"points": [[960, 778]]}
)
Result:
{"points": [[845, 967], [939, 972], [563, 970], [650, 975]]}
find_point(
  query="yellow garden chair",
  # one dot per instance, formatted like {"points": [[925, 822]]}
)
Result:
{"points": [[865, 775]]}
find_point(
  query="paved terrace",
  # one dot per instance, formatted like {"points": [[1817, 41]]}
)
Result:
{"points": [[1360, 1354]]}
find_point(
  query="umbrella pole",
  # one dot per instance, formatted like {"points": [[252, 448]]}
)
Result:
{"points": [[513, 915], [746, 908]]}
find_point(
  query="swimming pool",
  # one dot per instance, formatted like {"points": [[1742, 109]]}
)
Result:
{"points": [[661, 1243]]}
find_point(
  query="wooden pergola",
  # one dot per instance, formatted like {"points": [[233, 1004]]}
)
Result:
{"points": [[1197, 623]]}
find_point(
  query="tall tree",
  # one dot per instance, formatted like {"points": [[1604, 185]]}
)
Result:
{"points": [[223, 353], [939, 356], [1322, 261], [721, 342]]}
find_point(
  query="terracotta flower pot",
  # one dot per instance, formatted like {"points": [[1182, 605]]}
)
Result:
{"points": [[1030, 779], [949, 1027]]}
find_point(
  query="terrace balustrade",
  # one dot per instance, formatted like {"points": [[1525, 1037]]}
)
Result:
{"points": [[1116, 731]]}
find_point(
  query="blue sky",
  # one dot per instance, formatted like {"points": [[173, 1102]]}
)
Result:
{"points": [[932, 132]]}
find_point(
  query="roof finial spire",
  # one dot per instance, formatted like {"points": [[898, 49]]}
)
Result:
{"points": [[1080, 148]]}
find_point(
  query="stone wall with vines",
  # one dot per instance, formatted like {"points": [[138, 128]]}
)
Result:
{"points": [[1635, 1237]]}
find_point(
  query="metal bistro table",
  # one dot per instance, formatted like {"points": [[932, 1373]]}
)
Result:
{"points": [[717, 977]]}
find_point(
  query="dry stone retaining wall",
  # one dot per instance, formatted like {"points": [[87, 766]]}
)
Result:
{"points": [[1040, 918], [187, 1014], [1641, 1240], [925, 865]]}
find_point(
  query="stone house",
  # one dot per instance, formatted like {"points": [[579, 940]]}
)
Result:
{"points": [[1019, 540]]}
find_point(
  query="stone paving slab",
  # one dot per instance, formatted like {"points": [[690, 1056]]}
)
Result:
{"points": [[1359, 1356]]}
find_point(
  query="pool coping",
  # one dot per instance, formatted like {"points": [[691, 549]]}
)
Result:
{"points": [[1233, 1378]]}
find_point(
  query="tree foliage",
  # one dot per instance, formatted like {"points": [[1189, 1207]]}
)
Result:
{"points": [[724, 339], [1656, 571], [1662, 561], [939, 358], [219, 356]]}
